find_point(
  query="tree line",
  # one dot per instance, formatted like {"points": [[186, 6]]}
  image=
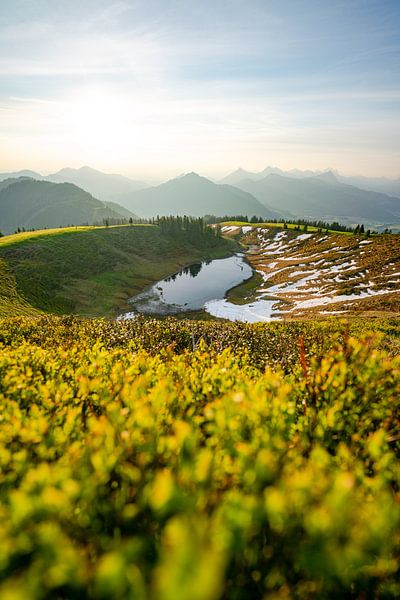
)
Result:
{"points": [[198, 226], [195, 226], [298, 224]]}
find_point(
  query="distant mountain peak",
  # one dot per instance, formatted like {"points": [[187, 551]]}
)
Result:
{"points": [[240, 171], [192, 174], [105, 186], [184, 174], [189, 177], [87, 169], [193, 194], [84, 169], [327, 176]]}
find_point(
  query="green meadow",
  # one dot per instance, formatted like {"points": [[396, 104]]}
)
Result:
{"points": [[92, 270]]}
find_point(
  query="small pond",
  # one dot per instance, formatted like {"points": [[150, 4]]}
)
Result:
{"points": [[192, 288]]}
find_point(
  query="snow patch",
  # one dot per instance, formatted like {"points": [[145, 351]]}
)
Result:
{"points": [[227, 228], [256, 312], [304, 236]]}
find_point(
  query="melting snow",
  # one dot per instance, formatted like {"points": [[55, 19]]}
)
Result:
{"points": [[226, 228], [393, 274], [340, 267], [311, 302], [260, 310], [304, 236]]}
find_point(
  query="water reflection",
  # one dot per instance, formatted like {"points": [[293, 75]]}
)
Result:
{"points": [[193, 286], [192, 271]]}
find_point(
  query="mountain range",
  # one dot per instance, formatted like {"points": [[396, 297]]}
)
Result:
{"points": [[197, 196], [382, 185], [324, 197], [104, 186], [270, 194], [31, 204]]}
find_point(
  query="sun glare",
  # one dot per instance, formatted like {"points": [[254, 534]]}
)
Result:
{"points": [[97, 118]]}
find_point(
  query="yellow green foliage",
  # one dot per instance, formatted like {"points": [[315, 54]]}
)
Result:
{"points": [[169, 473], [11, 301]]}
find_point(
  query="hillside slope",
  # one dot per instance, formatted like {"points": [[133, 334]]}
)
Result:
{"points": [[37, 204], [196, 196], [94, 271], [11, 300], [308, 274]]}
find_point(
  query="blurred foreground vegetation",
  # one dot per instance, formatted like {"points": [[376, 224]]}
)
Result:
{"points": [[173, 460]]}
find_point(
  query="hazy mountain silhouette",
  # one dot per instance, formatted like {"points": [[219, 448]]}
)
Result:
{"points": [[240, 174], [382, 185], [104, 186], [324, 197], [327, 177], [18, 174], [315, 194], [196, 196], [35, 204]]}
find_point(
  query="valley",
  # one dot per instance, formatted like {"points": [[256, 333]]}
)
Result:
{"points": [[93, 271]]}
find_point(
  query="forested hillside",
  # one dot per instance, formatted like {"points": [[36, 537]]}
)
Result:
{"points": [[30, 204]]}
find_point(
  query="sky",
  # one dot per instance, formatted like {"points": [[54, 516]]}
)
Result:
{"points": [[155, 88]]}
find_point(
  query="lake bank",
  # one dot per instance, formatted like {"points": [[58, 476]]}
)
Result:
{"points": [[191, 288]]}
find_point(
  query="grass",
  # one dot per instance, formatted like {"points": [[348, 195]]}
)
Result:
{"points": [[27, 236], [92, 271], [11, 302], [245, 292]]}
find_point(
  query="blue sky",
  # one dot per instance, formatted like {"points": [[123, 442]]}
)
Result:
{"points": [[159, 87]]}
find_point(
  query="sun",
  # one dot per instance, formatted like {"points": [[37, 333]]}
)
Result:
{"points": [[96, 118]]}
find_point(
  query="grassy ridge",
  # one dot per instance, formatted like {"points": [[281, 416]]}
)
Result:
{"points": [[93, 271], [27, 236], [134, 467], [294, 226]]}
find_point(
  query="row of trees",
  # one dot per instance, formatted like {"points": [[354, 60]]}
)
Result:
{"points": [[195, 226], [300, 224], [199, 225], [110, 221]]}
